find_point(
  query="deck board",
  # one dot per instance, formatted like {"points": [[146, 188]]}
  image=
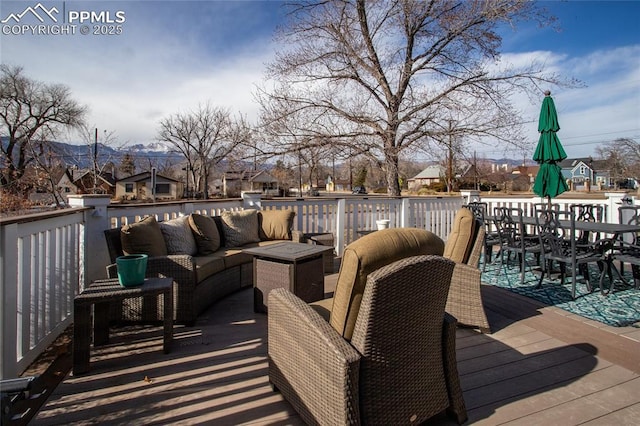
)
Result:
{"points": [[538, 367]]}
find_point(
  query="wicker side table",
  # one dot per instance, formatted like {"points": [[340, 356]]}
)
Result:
{"points": [[101, 294], [296, 266], [324, 239]]}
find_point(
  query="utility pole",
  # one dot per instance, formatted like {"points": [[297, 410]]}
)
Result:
{"points": [[95, 163], [450, 159], [475, 171]]}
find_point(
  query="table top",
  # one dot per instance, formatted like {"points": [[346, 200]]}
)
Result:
{"points": [[604, 227], [288, 251], [112, 288]]}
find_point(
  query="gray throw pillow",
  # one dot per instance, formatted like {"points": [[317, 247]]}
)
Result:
{"points": [[178, 236], [240, 227]]}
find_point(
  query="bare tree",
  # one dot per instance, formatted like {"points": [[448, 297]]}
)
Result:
{"points": [[389, 75], [622, 157], [31, 114], [94, 140], [205, 136]]}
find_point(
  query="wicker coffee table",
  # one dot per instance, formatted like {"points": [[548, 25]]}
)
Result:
{"points": [[296, 266], [102, 293]]}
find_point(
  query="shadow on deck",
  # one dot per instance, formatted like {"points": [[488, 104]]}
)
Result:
{"points": [[538, 366]]}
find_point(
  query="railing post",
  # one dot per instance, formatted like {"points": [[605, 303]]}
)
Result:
{"points": [[470, 196], [96, 222], [405, 214], [252, 200], [614, 200], [8, 300], [341, 217]]}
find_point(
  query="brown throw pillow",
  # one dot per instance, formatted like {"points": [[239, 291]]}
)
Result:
{"points": [[205, 232], [275, 224], [143, 237], [240, 227]]}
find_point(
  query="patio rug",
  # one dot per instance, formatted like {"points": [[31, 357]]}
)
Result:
{"points": [[620, 308]]}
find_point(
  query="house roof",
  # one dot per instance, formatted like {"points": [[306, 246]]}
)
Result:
{"points": [[261, 176], [144, 176], [431, 172], [250, 175], [570, 163]]}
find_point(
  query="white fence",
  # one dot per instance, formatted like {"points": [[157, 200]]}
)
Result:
{"points": [[47, 258], [40, 274]]}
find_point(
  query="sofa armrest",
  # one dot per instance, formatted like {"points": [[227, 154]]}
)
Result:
{"points": [[313, 366], [465, 297]]}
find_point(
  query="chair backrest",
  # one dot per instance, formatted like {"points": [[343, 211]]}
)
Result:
{"points": [[587, 213], [366, 255], [479, 210], [114, 244], [551, 235], [462, 237], [631, 216], [399, 334], [510, 226]]}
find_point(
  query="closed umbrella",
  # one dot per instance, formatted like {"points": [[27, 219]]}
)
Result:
{"points": [[549, 152]]}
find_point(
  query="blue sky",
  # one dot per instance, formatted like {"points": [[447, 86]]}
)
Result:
{"points": [[173, 55]]}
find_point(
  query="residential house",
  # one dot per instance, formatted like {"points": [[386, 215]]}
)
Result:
{"points": [[138, 187], [585, 174], [522, 178], [84, 181], [432, 174], [235, 182]]}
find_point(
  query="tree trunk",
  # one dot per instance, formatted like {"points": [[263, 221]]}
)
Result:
{"points": [[391, 164]]}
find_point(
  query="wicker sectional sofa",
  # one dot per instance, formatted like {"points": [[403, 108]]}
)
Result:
{"points": [[204, 268]]}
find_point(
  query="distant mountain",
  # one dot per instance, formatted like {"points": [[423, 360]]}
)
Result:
{"points": [[82, 155]]}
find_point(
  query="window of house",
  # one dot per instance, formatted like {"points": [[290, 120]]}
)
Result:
{"points": [[128, 187], [583, 170], [163, 188]]}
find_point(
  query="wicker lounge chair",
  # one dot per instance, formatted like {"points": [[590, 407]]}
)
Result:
{"points": [[397, 364]]}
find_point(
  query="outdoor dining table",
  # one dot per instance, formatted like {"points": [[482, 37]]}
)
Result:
{"points": [[617, 230], [583, 225]]}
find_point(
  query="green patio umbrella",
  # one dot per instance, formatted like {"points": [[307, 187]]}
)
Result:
{"points": [[549, 152]]}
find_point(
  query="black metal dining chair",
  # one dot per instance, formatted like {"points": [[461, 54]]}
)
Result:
{"points": [[626, 247], [587, 213], [514, 239], [560, 245], [491, 238]]}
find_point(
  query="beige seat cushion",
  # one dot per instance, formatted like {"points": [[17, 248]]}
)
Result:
{"points": [[143, 237], [207, 266], [364, 256], [233, 256], [205, 232], [460, 240], [275, 224]]}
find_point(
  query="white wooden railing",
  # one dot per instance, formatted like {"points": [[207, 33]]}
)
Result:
{"points": [[46, 259], [41, 273]]}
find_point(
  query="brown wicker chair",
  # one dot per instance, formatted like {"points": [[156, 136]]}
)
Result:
{"points": [[399, 366], [465, 246]]}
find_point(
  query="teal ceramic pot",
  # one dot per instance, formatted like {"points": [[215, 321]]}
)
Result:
{"points": [[132, 269]]}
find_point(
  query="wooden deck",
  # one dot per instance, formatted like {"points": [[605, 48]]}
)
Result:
{"points": [[540, 366]]}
